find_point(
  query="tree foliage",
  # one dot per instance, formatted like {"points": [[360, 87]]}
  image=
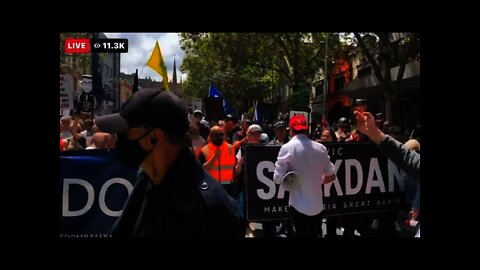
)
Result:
{"points": [[82, 62], [248, 66]]}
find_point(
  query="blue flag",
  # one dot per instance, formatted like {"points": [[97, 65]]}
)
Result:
{"points": [[226, 107], [213, 92]]}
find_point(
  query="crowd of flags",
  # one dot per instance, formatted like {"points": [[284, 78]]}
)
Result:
{"points": [[157, 63]]}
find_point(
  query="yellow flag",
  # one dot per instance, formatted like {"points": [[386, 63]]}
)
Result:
{"points": [[158, 65]]}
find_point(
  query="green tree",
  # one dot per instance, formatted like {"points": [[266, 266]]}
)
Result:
{"points": [[82, 61], [208, 61], [241, 64]]}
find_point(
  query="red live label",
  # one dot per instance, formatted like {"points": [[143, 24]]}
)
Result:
{"points": [[77, 45]]}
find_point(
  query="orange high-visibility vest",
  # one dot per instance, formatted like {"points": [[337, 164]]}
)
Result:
{"points": [[223, 169]]}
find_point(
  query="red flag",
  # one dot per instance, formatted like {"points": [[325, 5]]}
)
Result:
{"points": [[324, 122]]}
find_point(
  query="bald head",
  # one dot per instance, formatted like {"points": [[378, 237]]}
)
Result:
{"points": [[103, 140], [216, 129], [217, 135], [413, 145]]}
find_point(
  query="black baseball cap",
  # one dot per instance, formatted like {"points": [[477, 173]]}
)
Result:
{"points": [[231, 117], [280, 124], [151, 108]]}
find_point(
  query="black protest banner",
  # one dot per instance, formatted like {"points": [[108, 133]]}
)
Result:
{"points": [[213, 108], [264, 199], [366, 181]]}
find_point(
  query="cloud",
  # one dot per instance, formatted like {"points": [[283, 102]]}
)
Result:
{"points": [[140, 46]]}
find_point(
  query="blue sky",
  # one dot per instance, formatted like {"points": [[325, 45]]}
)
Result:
{"points": [[140, 46]]}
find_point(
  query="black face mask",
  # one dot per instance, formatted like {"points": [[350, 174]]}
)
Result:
{"points": [[217, 141], [130, 152]]}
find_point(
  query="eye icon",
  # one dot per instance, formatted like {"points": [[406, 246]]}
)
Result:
{"points": [[96, 45]]}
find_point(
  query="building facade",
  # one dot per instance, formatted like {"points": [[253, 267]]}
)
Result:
{"points": [[352, 82]]}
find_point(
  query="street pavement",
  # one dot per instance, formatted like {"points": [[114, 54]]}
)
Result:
{"points": [[254, 230]]}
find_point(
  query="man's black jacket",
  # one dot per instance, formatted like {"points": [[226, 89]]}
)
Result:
{"points": [[187, 203]]}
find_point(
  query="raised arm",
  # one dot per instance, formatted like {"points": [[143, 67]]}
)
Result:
{"points": [[406, 159]]}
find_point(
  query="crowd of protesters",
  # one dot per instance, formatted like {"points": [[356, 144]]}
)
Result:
{"points": [[218, 148]]}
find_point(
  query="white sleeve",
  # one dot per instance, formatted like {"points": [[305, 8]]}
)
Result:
{"points": [[239, 153], [282, 164], [329, 166]]}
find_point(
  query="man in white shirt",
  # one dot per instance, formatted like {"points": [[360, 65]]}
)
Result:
{"points": [[310, 159]]}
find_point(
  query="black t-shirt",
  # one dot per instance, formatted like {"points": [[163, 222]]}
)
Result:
{"points": [[238, 136], [229, 137]]}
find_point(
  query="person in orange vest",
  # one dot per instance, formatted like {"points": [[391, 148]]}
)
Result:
{"points": [[218, 158]]}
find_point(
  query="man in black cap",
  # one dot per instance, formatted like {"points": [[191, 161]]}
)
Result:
{"points": [[343, 131], [173, 196], [230, 124], [280, 134]]}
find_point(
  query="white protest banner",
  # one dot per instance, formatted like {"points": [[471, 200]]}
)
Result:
{"points": [[306, 114]]}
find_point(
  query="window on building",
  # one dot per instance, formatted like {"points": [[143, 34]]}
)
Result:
{"points": [[319, 89], [364, 72], [339, 81]]}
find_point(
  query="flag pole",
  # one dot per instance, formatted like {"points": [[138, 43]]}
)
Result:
{"points": [[325, 79]]}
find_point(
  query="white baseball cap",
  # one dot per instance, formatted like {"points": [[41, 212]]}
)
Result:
{"points": [[254, 128]]}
